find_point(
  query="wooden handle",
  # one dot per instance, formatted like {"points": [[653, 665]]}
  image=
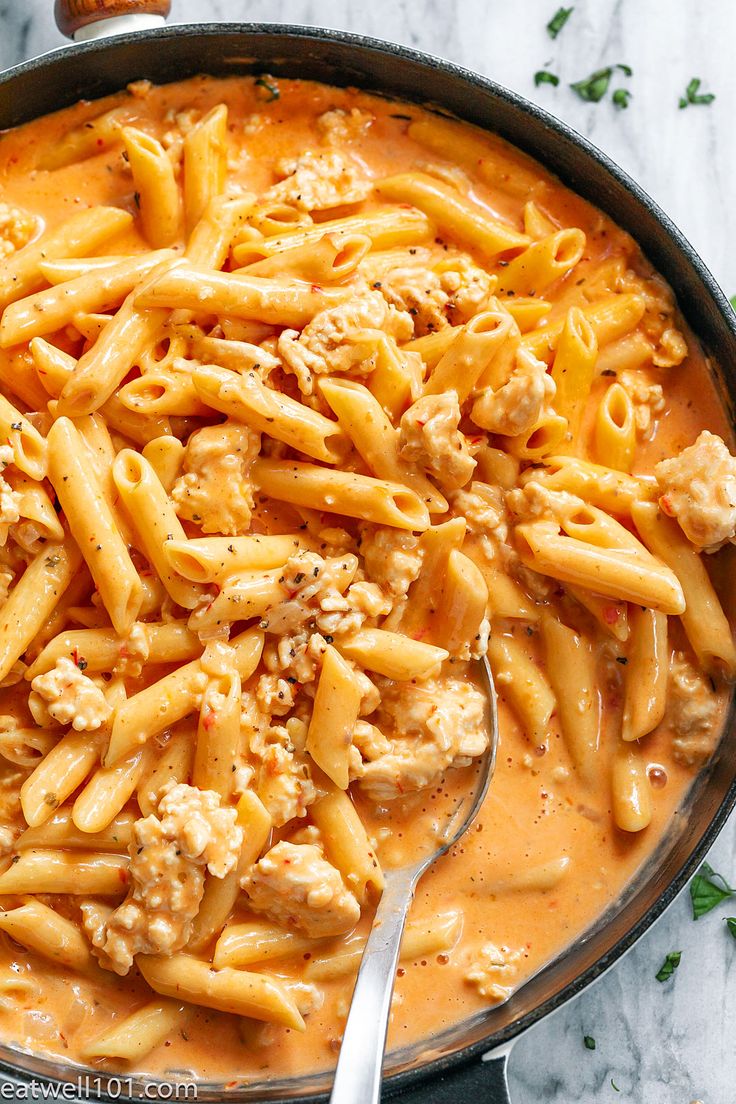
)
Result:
{"points": [[72, 14]]}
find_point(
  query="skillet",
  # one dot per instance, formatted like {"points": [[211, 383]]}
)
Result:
{"points": [[444, 1068]]}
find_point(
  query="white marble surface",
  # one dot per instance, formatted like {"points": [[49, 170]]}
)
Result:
{"points": [[661, 1044]]}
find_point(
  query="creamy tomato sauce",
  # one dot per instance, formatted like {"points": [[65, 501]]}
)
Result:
{"points": [[539, 812]]}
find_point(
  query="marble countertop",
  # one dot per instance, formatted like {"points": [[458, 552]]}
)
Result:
{"points": [[658, 1044]]}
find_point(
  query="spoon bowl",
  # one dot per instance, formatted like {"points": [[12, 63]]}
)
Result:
{"points": [[359, 1066]]}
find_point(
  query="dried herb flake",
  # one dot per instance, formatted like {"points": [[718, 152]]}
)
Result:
{"points": [[558, 21]]}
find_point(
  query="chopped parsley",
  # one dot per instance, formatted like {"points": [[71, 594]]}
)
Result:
{"points": [[732, 301], [589, 1042], [695, 97], [614, 1086], [558, 21], [270, 87], [668, 967], [621, 97], [544, 77], [592, 89], [707, 890], [731, 925]]}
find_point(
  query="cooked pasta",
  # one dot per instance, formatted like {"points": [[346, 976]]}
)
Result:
{"points": [[325, 413]]}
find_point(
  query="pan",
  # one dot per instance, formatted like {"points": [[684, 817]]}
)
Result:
{"points": [[133, 45]]}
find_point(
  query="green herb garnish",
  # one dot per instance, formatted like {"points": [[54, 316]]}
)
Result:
{"points": [[270, 86], [693, 96], [731, 925], [706, 892], [589, 1042], [621, 97], [668, 967], [732, 301], [544, 77], [593, 88], [614, 1086], [558, 21]]}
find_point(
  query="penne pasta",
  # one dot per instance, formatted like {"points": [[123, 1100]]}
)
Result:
{"points": [[349, 493], [246, 398], [245, 994], [139, 1032], [336, 709], [279, 302], [93, 525], [453, 214], [79, 873], [158, 199], [83, 232], [703, 618]]}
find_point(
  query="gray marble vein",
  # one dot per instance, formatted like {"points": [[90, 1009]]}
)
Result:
{"points": [[659, 1044]]}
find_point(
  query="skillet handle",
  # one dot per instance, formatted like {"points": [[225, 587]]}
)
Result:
{"points": [[75, 16], [483, 1081]]}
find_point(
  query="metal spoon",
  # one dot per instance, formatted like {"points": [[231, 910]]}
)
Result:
{"points": [[359, 1066]]}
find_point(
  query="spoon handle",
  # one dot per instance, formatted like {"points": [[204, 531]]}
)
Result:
{"points": [[359, 1066]]}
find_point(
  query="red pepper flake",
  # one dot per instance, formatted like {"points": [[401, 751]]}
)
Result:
{"points": [[611, 614], [209, 719], [123, 876]]}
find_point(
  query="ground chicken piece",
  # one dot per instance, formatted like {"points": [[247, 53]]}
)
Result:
{"points": [[169, 854], [10, 502], [418, 291], [134, 651], [494, 971], [338, 126], [218, 458], [431, 726], [535, 502], [16, 229], [391, 557], [484, 510], [284, 784], [275, 695], [698, 487], [468, 287], [282, 777], [6, 578], [648, 400], [370, 741], [671, 350], [345, 338], [7, 840], [693, 710], [296, 887], [430, 437], [317, 181], [436, 296], [370, 694], [67, 696], [517, 405], [295, 656], [317, 598]]}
